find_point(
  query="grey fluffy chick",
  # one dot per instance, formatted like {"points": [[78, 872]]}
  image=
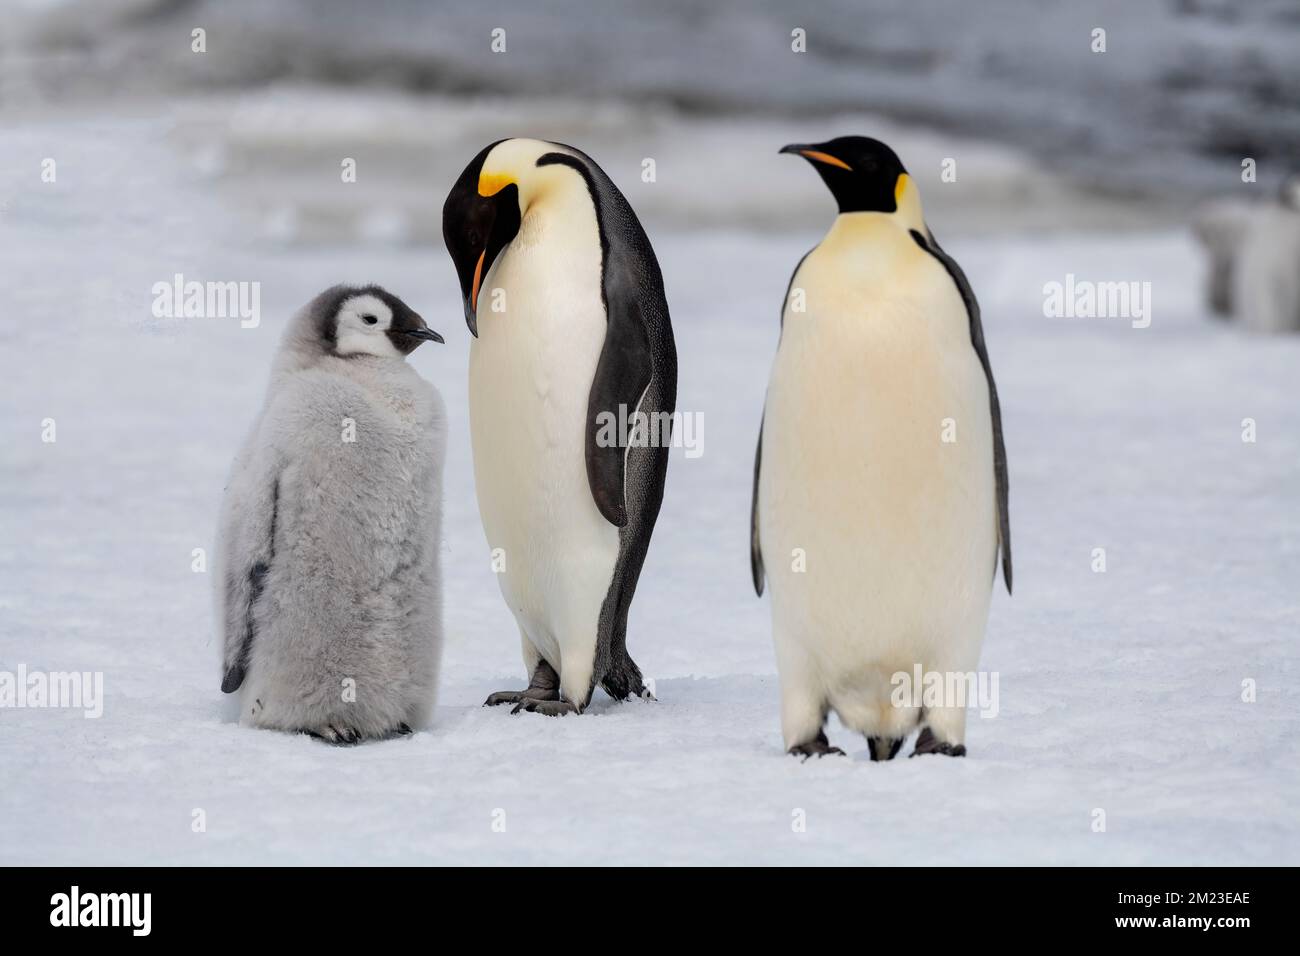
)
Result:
{"points": [[329, 593]]}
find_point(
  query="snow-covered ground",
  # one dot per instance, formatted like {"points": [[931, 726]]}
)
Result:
{"points": [[1119, 691]]}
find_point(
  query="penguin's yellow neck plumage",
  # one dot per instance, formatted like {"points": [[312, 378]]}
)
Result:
{"points": [[909, 214], [514, 163], [857, 228]]}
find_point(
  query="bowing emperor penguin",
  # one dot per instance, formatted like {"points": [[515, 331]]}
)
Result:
{"points": [[329, 594], [880, 482], [565, 300]]}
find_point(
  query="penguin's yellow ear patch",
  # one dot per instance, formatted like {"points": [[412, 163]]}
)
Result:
{"points": [[819, 157], [489, 184], [900, 186]]}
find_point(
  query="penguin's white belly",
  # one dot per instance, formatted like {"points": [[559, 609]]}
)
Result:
{"points": [[530, 377], [878, 536]]}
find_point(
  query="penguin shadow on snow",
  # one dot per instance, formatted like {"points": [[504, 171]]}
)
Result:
{"points": [[729, 711], [600, 704]]}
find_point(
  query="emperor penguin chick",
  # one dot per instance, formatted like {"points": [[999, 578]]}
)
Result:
{"points": [[329, 591], [880, 483]]}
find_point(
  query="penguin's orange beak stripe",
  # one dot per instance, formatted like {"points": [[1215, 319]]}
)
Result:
{"points": [[478, 277], [820, 157], [489, 184]]}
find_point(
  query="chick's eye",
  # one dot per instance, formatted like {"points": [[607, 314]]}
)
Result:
{"points": [[369, 319]]}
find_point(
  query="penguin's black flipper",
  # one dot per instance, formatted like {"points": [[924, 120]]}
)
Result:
{"points": [[755, 551], [977, 340], [622, 376], [248, 550], [256, 584], [637, 370], [233, 680]]}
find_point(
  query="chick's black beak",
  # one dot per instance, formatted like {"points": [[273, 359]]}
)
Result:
{"points": [[413, 326]]}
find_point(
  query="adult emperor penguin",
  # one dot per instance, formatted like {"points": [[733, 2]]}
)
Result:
{"points": [[565, 300], [329, 596], [880, 482], [1266, 278]]}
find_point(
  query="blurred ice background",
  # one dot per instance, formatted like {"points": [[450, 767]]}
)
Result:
{"points": [[1120, 691], [1185, 89]]}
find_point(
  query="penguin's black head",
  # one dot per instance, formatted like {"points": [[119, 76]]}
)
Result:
{"points": [[367, 320], [863, 174], [478, 219]]}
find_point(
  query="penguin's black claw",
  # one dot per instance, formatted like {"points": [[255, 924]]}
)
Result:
{"points": [[928, 743], [338, 735], [819, 746], [884, 748], [551, 708], [346, 735]]}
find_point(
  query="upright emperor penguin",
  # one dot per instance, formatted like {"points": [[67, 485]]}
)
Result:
{"points": [[329, 595], [565, 300], [880, 483]]}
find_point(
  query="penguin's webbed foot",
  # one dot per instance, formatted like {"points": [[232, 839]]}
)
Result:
{"points": [[544, 685], [928, 743], [819, 746], [519, 696], [504, 697], [338, 734], [885, 748], [551, 708]]}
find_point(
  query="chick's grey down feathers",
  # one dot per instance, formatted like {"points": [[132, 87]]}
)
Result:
{"points": [[329, 592]]}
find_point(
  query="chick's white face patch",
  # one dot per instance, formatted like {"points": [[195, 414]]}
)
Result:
{"points": [[362, 328]]}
